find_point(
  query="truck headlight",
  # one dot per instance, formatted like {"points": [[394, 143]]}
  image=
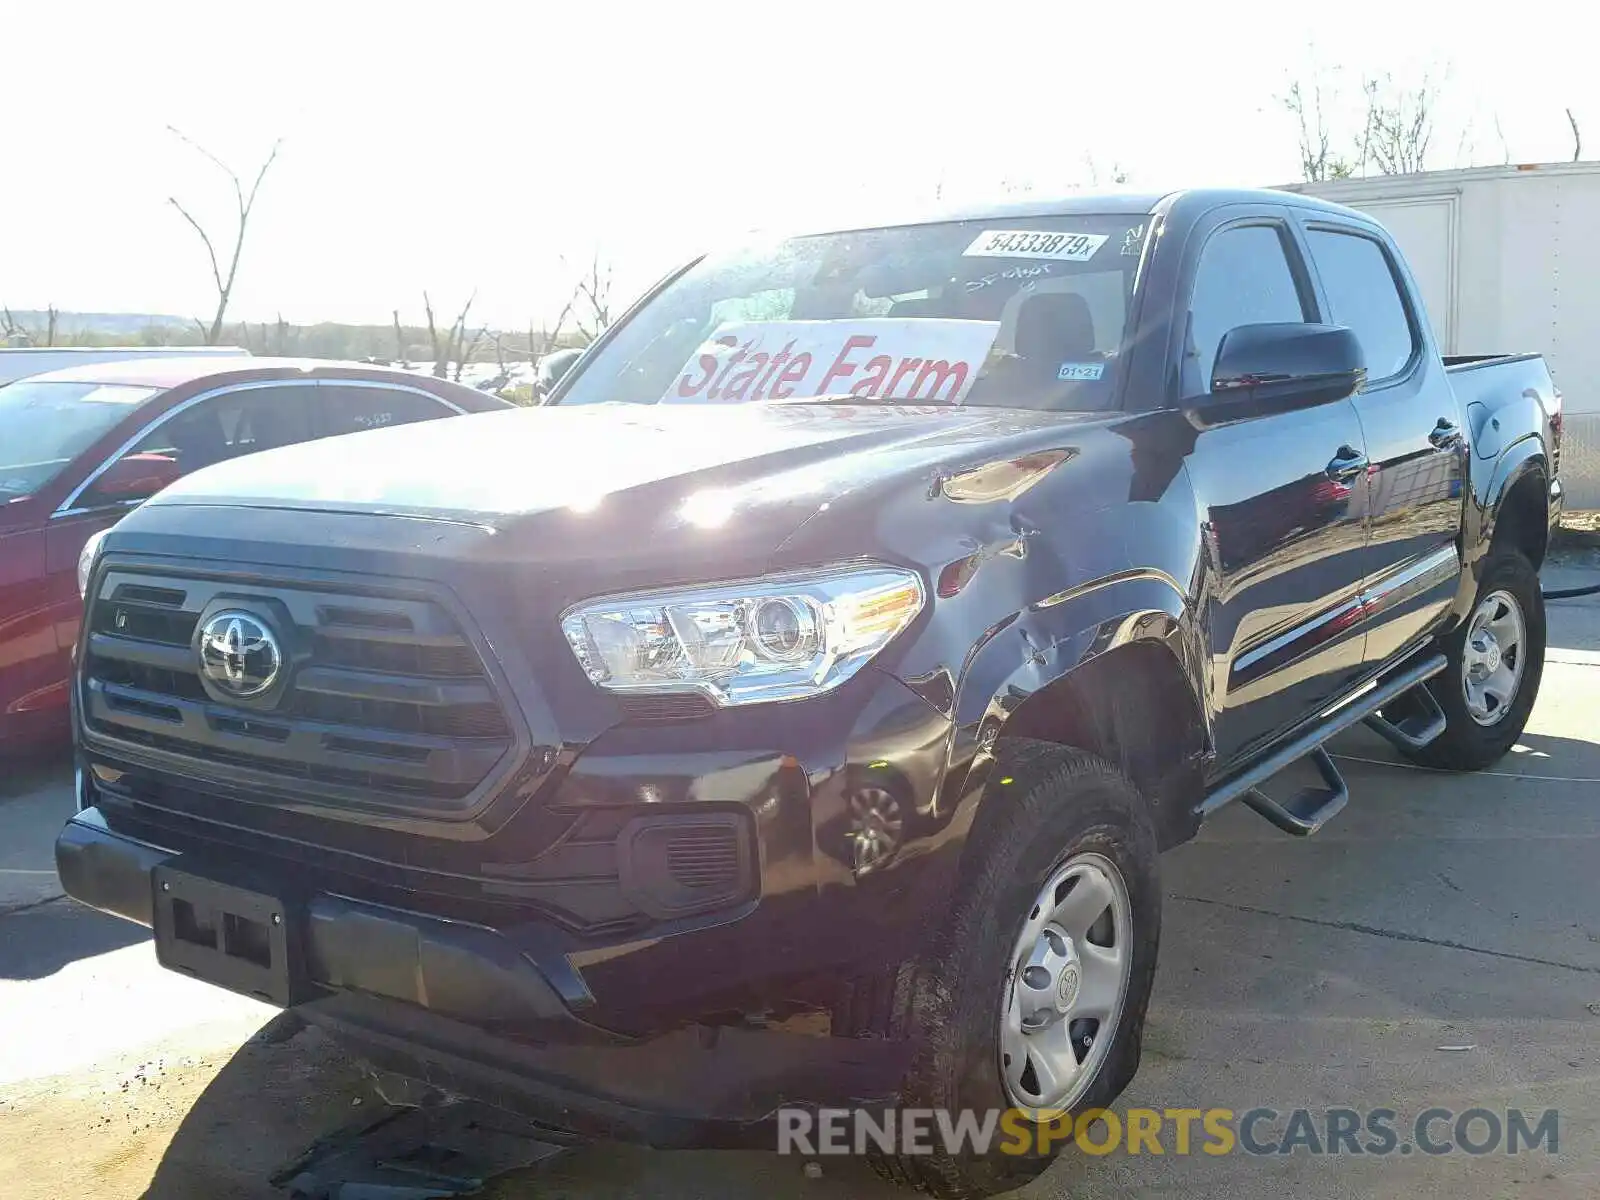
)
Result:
{"points": [[778, 638], [86, 557]]}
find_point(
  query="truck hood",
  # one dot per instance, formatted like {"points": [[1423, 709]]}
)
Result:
{"points": [[496, 468], [642, 467]]}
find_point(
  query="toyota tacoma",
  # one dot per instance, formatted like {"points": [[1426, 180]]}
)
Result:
{"points": [[792, 711]]}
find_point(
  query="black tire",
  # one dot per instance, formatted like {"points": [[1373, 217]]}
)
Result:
{"points": [[1054, 803], [1466, 744]]}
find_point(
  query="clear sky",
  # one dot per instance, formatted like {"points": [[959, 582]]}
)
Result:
{"points": [[468, 146]]}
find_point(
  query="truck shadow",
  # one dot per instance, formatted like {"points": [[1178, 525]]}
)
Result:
{"points": [[39, 940], [23, 773], [289, 1086]]}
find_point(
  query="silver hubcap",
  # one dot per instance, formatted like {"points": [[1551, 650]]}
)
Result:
{"points": [[1067, 984], [1491, 662]]}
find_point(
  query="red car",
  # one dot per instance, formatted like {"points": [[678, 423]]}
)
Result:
{"points": [[82, 446]]}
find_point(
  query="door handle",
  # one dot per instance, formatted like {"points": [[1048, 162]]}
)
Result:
{"points": [[1346, 465], [1446, 434]]}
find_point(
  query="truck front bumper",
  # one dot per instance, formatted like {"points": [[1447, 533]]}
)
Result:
{"points": [[461, 1009]]}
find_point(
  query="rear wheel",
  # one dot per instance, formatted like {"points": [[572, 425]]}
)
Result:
{"points": [[1033, 995], [1496, 659]]}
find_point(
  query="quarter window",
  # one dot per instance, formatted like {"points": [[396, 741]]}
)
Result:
{"points": [[344, 409]]}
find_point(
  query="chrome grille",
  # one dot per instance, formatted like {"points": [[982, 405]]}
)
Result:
{"points": [[387, 697]]}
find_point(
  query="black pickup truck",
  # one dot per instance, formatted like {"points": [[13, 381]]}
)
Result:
{"points": [[791, 712]]}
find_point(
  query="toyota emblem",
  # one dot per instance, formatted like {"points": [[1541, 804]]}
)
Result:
{"points": [[239, 656]]}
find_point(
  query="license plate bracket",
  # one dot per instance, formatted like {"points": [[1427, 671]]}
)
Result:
{"points": [[233, 936]]}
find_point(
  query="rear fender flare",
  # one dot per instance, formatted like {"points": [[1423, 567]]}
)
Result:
{"points": [[1522, 458]]}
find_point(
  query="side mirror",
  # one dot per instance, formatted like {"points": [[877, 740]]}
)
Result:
{"points": [[552, 367], [136, 477], [1264, 369]]}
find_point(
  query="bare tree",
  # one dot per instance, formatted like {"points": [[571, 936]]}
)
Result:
{"points": [[1318, 160], [590, 304], [245, 204], [469, 354], [453, 345], [1116, 177], [399, 342], [1577, 138], [14, 332], [549, 335], [1399, 124]]}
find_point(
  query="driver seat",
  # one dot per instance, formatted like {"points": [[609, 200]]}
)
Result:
{"points": [[1052, 329]]}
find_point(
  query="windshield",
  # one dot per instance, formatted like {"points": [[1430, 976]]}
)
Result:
{"points": [[1021, 312], [47, 425]]}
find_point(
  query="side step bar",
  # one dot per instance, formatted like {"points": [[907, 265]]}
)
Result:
{"points": [[1311, 809], [1418, 727]]}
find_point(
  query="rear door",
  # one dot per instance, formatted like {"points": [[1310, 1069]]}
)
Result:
{"points": [[1413, 431], [1280, 501]]}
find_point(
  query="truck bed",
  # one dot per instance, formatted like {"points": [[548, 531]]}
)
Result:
{"points": [[1461, 362], [1499, 392]]}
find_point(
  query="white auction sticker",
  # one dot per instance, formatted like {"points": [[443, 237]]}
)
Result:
{"points": [[936, 359], [1027, 243]]}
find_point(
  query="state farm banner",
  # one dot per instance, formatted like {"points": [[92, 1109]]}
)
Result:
{"points": [[904, 358]]}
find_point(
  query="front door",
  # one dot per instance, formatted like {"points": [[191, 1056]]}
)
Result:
{"points": [[29, 668], [194, 434], [1281, 501]]}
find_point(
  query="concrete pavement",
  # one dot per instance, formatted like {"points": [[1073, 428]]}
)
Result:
{"points": [[35, 799]]}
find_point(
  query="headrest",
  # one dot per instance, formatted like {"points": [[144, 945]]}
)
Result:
{"points": [[1054, 326]]}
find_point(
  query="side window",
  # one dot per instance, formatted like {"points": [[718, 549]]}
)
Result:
{"points": [[1243, 279], [352, 409], [1364, 295], [214, 430]]}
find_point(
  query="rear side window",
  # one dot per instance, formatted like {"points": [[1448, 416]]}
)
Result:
{"points": [[1364, 296], [1243, 278], [345, 409]]}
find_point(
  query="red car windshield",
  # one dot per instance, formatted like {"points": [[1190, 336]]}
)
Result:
{"points": [[47, 425]]}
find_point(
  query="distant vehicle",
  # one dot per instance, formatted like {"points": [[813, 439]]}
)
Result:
{"points": [[83, 446], [19, 362], [551, 368]]}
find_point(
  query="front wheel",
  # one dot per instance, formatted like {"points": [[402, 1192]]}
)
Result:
{"points": [[1033, 995], [1496, 659]]}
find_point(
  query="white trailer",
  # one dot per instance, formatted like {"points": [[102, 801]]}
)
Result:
{"points": [[1507, 260]]}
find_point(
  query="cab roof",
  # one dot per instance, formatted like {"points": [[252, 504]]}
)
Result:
{"points": [[1089, 203]]}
